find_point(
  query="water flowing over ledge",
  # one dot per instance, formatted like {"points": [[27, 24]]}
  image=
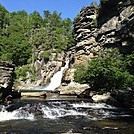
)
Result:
{"points": [[55, 81], [59, 109]]}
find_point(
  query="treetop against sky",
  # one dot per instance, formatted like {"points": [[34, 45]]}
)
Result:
{"points": [[68, 8]]}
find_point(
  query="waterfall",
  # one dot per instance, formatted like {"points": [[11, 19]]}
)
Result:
{"points": [[34, 110], [56, 79]]}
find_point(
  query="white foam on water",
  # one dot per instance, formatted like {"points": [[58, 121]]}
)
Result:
{"points": [[92, 105], [14, 115], [53, 113], [56, 79], [54, 110]]}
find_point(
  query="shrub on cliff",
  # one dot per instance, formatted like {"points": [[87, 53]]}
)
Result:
{"points": [[107, 72], [21, 72]]}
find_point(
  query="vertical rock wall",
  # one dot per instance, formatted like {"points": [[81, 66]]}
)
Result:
{"points": [[109, 26], [6, 78]]}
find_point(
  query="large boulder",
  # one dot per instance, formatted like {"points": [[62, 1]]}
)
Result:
{"points": [[72, 88], [6, 79], [6, 75]]}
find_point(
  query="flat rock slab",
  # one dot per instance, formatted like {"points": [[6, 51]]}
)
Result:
{"points": [[33, 94]]}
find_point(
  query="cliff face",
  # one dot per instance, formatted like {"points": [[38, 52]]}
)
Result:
{"points": [[6, 78], [111, 25], [85, 28], [44, 69]]}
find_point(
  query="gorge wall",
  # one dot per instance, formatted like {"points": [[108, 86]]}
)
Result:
{"points": [[109, 26], [95, 28], [6, 78], [43, 68]]}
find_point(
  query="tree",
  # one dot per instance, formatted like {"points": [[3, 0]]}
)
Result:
{"points": [[22, 34]]}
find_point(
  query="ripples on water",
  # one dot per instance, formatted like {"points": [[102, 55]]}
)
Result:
{"points": [[64, 116]]}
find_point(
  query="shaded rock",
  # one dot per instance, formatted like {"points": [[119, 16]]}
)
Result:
{"points": [[6, 79], [124, 98], [6, 75]]}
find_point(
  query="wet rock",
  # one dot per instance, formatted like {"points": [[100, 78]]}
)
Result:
{"points": [[124, 98]]}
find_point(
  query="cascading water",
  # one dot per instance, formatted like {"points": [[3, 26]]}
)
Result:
{"points": [[68, 116], [56, 79], [14, 115], [59, 109]]}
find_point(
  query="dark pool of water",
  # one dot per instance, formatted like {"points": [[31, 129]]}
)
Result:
{"points": [[64, 116]]}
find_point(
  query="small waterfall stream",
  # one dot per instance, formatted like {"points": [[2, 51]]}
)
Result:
{"points": [[56, 79], [58, 109]]}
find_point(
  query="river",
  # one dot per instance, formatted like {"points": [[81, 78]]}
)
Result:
{"points": [[64, 116]]}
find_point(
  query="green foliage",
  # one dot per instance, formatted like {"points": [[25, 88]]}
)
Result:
{"points": [[106, 72], [129, 62], [22, 34], [45, 55], [21, 72]]}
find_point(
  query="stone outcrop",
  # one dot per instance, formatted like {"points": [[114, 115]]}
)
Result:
{"points": [[109, 26], [117, 29], [44, 69], [6, 75], [72, 88], [6, 78], [85, 28]]}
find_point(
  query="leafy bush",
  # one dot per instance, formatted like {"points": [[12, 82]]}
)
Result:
{"points": [[21, 72], [106, 72], [45, 55]]}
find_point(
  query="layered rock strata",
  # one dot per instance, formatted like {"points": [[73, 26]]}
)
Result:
{"points": [[95, 28], [111, 25], [6, 78]]}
